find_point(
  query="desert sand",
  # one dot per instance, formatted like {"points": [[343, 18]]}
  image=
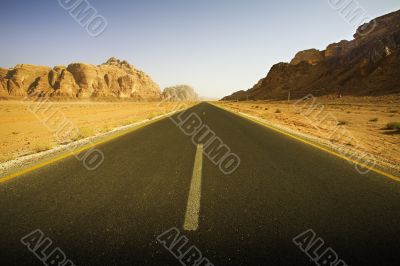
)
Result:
{"points": [[22, 132], [365, 118]]}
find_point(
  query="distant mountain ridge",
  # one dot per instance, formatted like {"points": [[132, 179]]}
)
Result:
{"points": [[113, 79], [367, 65]]}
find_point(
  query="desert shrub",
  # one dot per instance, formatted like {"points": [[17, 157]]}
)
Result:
{"points": [[42, 146], [393, 126], [374, 120], [84, 132], [107, 128]]}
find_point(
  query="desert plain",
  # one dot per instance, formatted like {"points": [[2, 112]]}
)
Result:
{"points": [[372, 122]]}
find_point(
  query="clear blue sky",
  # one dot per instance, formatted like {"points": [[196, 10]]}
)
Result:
{"points": [[217, 46]]}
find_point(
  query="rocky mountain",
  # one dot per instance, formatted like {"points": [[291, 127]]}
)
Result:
{"points": [[180, 93], [367, 65], [114, 79]]}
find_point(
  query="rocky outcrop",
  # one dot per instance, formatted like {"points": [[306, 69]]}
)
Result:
{"points": [[367, 65], [3, 91], [23, 79], [311, 56], [114, 78], [3, 72], [180, 93]]}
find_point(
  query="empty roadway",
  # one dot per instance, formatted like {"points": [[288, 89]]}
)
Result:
{"points": [[113, 215]]}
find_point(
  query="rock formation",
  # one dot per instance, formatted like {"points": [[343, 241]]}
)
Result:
{"points": [[312, 57], [367, 65], [180, 93], [3, 91], [114, 78]]}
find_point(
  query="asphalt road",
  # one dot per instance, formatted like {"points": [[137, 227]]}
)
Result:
{"points": [[113, 215]]}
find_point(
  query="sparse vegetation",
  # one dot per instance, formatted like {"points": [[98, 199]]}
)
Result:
{"points": [[84, 132], [42, 146], [107, 128], [317, 122], [393, 126], [18, 139]]}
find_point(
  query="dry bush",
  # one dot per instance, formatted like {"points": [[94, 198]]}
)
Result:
{"points": [[40, 146], [393, 126], [84, 132]]}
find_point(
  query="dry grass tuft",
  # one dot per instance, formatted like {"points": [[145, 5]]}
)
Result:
{"points": [[84, 132], [393, 126], [42, 146]]}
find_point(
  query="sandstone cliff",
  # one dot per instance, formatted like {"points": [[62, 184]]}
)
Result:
{"points": [[114, 78], [367, 65], [180, 93], [3, 73]]}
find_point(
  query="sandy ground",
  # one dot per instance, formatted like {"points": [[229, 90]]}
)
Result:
{"points": [[30, 127], [364, 121]]}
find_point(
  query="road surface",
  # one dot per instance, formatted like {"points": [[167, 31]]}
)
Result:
{"points": [[149, 183]]}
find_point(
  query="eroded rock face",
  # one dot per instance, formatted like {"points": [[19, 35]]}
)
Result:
{"points": [[180, 93], [23, 79], [3, 91], [63, 83], [312, 57], [3, 73], [339, 49], [367, 65], [114, 78]]}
